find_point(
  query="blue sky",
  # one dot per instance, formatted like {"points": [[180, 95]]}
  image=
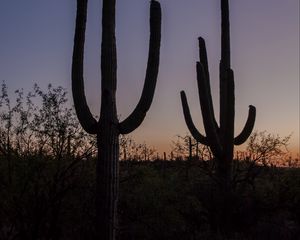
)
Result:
{"points": [[36, 43]]}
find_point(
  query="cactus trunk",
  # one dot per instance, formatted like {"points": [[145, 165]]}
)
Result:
{"points": [[108, 134], [107, 181]]}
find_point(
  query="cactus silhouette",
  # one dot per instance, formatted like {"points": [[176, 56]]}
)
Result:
{"points": [[220, 138], [108, 128]]}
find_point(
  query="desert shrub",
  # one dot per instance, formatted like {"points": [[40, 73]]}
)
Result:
{"points": [[47, 182]]}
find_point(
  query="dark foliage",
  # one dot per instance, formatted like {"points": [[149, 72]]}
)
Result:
{"points": [[157, 201], [47, 183]]}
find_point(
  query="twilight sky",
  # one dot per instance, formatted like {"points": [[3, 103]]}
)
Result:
{"points": [[36, 40]]}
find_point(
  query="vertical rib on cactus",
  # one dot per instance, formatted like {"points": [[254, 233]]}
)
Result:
{"points": [[108, 127], [220, 138]]}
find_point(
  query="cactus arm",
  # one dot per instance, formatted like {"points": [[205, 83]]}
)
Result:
{"points": [[85, 117], [242, 137], [207, 111], [203, 56], [204, 63], [189, 122], [139, 113]]}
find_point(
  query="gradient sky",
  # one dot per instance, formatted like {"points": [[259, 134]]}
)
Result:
{"points": [[36, 40]]}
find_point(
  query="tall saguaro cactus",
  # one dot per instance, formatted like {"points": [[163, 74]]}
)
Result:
{"points": [[108, 128], [220, 138]]}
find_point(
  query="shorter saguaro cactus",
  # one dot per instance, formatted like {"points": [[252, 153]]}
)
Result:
{"points": [[108, 128], [220, 138]]}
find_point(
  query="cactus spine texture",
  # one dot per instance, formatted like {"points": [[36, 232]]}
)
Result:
{"points": [[220, 138], [108, 128]]}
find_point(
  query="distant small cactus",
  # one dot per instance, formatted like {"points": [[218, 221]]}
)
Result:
{"points": [[220, 138], [108, 128]]}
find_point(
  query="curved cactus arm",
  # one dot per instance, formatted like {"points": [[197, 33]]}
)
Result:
{"points": [[85, 117], [207, 111], [243, 136], [189, 122], [139, 113]]}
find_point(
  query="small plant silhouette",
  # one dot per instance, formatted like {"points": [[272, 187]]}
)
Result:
{"points": [[108, 128], [220, 138]]}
